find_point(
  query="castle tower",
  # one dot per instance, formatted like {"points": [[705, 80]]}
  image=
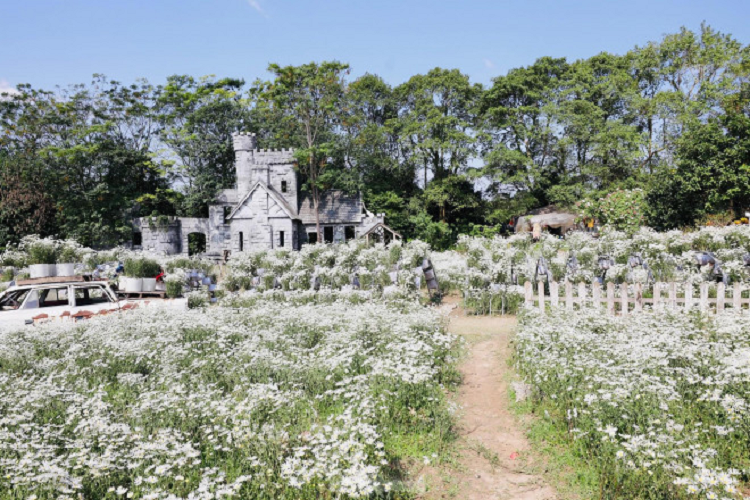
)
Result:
{"points": [[245, 145]]}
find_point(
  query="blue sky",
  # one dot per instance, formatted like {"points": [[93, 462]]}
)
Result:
{"points": [[46, 42]]}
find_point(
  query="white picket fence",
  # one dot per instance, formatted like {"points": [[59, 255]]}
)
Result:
{"points": [[629, 299]]}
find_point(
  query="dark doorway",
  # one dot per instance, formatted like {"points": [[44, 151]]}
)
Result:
{"points": [[196, 243], [328, 234], [137, 239], [349, 233]]}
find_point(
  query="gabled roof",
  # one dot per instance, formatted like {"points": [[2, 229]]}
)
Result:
{"points": [[382, 225], [335, 207], [285, 206]]}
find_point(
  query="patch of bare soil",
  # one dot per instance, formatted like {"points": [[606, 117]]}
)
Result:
{"points": [[495, 459]]}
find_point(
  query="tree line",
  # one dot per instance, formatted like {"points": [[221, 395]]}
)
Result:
{"points": [[438, 154]]}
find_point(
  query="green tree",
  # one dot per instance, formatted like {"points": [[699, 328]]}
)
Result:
{"points": [[437, 122], [712, 171], [308, 99], [199, 116], [522, 150], [92, 145], [370, 146]]}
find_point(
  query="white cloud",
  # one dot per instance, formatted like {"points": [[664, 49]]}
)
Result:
{"points": [[256, 5], [488, 64], [6, 87]]}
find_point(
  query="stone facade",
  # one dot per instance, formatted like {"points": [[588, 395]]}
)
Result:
{"points": [[265, 210]]}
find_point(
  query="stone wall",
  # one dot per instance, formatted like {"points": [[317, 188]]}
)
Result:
{"points": [[157, 238]]}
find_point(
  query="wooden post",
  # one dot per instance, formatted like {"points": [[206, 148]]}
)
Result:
{"points": [[688, 296], [638, 307], [721, 292], [673, 296], [736, 295], [596, 292], [581, 295], [624, 298], [554, 293], [528, 292], [704, 297], [568, 295], [657, 295], [611, 298], [540, 287]]}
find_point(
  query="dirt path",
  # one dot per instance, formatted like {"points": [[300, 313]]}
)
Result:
{"points": [[495, 460]]}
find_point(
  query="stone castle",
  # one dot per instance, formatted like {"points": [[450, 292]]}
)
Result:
{"points": [[265, 210]]}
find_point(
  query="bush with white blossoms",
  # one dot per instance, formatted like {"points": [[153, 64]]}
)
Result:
{"points": [[272, 401], [374, 267], [670, 255], [657, 404]]}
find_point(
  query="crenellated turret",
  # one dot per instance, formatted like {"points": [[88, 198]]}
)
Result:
{"points": [[273, 167]]}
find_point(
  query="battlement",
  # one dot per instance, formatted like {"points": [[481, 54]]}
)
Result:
{"points": [[247, 141], [244, 141], [274, 150]]}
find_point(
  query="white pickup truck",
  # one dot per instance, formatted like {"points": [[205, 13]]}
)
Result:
{"points": [[30, 303]]}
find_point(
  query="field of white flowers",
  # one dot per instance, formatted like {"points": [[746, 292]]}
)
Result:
{"points": [[670, 256], [657, 404], [319, 400], [490, 270], [318, 374], [353, 265]]}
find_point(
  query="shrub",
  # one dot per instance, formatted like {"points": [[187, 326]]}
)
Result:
{"points": [[7, 274], [197, 299], [141, 268], [624, 210], [42, 252], [69, 254], [150, 268], [174, 288]]}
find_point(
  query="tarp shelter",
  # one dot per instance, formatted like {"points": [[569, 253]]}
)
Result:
{"points": [[533, 223]]}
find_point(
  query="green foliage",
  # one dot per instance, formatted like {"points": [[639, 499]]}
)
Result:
{"points": [[438, 154], [623, 210], [7, 274], [197, 299], [41, 252], [173, 288], [198, 117], [141, 268], [307, 99], [69, 255]]}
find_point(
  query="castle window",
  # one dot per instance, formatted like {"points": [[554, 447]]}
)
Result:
{"points": [[349, 233], [328, 234], [281, 239], [312, 238], [283, 187], [242, 241], [227, 211], [137, 239]]}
